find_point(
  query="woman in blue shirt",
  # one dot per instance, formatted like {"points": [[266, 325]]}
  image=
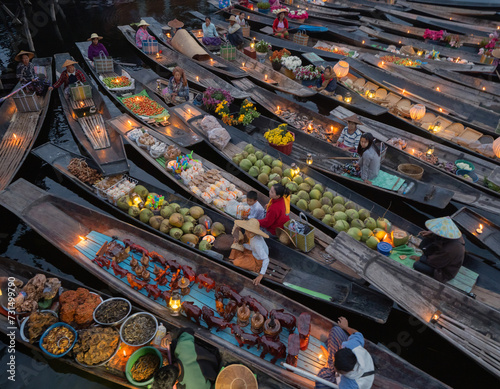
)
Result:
{"points": [[177, 91], [210, 35]]}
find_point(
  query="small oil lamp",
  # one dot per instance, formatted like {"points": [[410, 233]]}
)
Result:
{"points": [[175, 304], [309, 159], [295, 169], [480, 229], [435, 317], [420, 52], [348, 98], [265, 77], [434, 128], [243, 64], [184, 285], [252, 45], [430, 150], [137, 200], [371, 94], [209, 238], [197, 78], [169, 35], [278, 110], [158, 55]]}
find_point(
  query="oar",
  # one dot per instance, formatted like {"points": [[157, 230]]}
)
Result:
{"points": [[308, 291], [17, 90]]}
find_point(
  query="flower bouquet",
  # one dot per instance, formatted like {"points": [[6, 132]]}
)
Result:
{"points": [[245, 116], [291, 63], [277, 9], [487, 48], [263, 47], [277, 57], [222, 110], [433, 35], [213, 96], [452, 40], [299, 15], [280, 138], [307, 74]]}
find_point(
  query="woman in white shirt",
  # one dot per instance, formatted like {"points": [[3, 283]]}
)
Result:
{"points": [[240, 19], [255, 253], [210, 34]]}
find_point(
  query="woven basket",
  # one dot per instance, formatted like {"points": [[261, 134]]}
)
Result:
{"points": [[410, 170]]}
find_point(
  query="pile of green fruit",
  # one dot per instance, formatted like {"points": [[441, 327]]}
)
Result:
{"points": [[332, 210], [184, 224]]}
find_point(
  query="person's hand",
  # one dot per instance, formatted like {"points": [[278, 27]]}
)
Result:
{"points": [[50, 88], [415, 257], [343, 323], [368, 182], [336, 144], [257, 279], [425, 233]]}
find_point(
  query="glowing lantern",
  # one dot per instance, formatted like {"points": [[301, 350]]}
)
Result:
{"points": [[175, 304], [430, 150], [348, 98], [309, 159], [295, 169], [417, 112], [371, 94], [341, 69], [435, 317], [496, 147]]}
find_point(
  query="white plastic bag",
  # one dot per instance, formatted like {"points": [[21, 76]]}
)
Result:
{"points": [[219, 137]]}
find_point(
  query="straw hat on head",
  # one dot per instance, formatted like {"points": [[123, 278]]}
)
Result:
{"points": [[175, 23], [252, 226], [93, 36], [232, 18], [496, 53], [236, 377], [22, 52], [353, 119], [142, 23], [68, 62], [443, 227]]}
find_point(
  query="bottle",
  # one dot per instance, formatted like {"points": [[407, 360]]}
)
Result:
{"points": [[409, 187], [402, 189], [160, 334]]}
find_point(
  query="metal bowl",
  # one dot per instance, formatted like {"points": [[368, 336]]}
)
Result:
{"points": [[103, 362], [116, 322], [23, 330], [131, 318]]}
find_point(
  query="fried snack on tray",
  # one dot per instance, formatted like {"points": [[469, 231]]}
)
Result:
{"points": [[78, 306], [38, 322], [79, 168], [96, 345]]}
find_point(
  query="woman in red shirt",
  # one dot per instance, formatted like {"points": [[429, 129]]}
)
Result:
{"points": [[280, 25], [278, 209]]}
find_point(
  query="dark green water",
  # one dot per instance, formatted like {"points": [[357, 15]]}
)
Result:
{"points": [[402, 334]]}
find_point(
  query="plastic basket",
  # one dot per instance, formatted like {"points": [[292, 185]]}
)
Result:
{"points": [[471, 174], [103, 64], [466, 162], [410, 170], [285, 149], [303, 242]]}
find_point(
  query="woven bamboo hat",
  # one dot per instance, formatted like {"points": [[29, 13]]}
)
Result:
{"points": [[444, 227], [22, 52], [68, 62], [93, 36], [142, 23], [236, 377], [496, 53], [353, 119], [252, 226], [232, 18], [175, 23]]}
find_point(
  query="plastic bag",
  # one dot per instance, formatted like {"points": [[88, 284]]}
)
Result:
{"points": [[208, 123], [219, 137]]}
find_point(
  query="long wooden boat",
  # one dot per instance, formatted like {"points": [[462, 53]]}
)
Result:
{"points": [[431, 9], [470, 325], [111, 159], [261, 73], [452, 108], [180, 134], [62, 222], [479, 229], [195, 73], [463, 79], [19, 130], [114, 370], [289, 269], [318, 11], [417, 44], [417, 149]]}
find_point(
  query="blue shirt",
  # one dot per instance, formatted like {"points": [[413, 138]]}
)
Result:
{"points": [[351, 141], [210, 31], [257, 211], [352, 342]]}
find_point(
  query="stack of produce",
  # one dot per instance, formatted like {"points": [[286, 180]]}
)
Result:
{"points": [[77, 306], [142, 105], [79, 168], [117, 82]]}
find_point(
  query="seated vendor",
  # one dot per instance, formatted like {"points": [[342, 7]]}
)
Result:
{"points": [[235, 34], [175, 25], [96, 47], [193, 366], [444, 250], [369, 160], [177, 91], [349, 364], [241, 20], [277, 209], [254, 254], [210, 34], [350, 135], [26, 73], [327, 83], [69, 76], [280, 25], [142, 34]]}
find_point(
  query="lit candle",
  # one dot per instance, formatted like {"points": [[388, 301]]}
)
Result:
{"points": [[168, 35], [484, 88], [15, 136], [480, 229], [309, 159], [438, 89], [363, 42], [243, 64], [197, 78], [129, 122], [265, 77]]}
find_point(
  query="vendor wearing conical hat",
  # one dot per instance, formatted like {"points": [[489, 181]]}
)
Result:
{"points": [[26, 73], [96, 47], [444, 250], [142, 33], [350, 135], [280, 24], [70, 75], [175, 25], [235, 33], [253, 254]]}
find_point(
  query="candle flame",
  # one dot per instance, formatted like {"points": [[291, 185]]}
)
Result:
{"points": [[129, 122], [82, 238], [363, 42], [15, 136], [484, 88], [404, 91], [265, 77], [438, 89], [440, 109], [197, 78]]}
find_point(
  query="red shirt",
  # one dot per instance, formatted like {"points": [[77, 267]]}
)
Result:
{"points": [[275, 24], [276, 216], [63, 80]]}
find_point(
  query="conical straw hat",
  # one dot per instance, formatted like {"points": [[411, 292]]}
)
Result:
{"points": [[444, 227], [23, 52], [251, 225], [68, 62], [236, 377]]}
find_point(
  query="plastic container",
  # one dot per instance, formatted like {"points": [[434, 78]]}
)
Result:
{"points": [[134, 357], [160, 333], [471, 174], [50, 329], [384, 248], [466, 162]]}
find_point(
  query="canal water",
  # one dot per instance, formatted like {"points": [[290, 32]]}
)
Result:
{"points": [[402, 334]]}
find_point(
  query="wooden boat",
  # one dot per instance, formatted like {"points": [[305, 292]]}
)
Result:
{"points": [[431, 9], [417, 44], [261, 73], [453, 108], [195, 73], [471, 223], [110, 159], [62, 222], [114, 370], [470, 325], [19, 130], [318, 11], [180, 134], [463, 79], [289, 269], [414, 32], [417, 148]]}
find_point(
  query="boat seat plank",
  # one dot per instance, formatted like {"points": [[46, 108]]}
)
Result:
{"points": [[307, 359]]}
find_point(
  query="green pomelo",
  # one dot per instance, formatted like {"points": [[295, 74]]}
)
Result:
{"points": [[319, 187], [329, 195], [259, 164], [303, 195], [338, 208], [364, 214], [124, 203], [141, 191], [134, 211], [277, 163], [292, 186], [302, 204], [318, 213], [189, 219], [145, 215], [338, 200], [237, 159], [294, 199], [249, 149], [325, 200], [268, 160], [355, 233], [370, 223], [384, 224], [270, 184], [340, 216], [184, 211], [366, 233], [305, 187], [350, 205], [252, 158], [244, 154], [372, 242], [341, 225], [326, 208], [176, 207], [315, 194], [263, 178], [288, 173], [285, 181], [187, 228], [277, 170], [275, 177], [176, 233], [254, 171], [314, 204], [259, 154], [265, 169], [358, 223], [309, 181], [245, 164], [328, 220], [298, 180], [351, 214]]}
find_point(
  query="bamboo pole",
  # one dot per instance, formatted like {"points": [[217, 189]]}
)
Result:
{"points": [[9, 12], [26, 28]]}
